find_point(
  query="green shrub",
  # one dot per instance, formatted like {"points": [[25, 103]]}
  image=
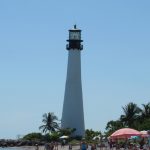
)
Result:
{"points": [[33, 136]]}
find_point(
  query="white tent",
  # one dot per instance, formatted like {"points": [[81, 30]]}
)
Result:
{"points": [[96, 137], [144, 133], [64, 137]]}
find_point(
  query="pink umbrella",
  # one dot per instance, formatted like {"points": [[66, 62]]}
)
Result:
{"points": [[125, 133]]}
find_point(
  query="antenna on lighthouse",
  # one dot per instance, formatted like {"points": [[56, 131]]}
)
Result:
{"points": [[75, 26]]}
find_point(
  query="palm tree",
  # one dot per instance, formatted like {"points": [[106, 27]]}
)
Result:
{"points": [[131, 114], [145, 113], [50, 124]]}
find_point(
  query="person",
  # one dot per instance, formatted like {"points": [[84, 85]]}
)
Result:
{"points": [[83, 145], [142, 143], [93, 147], [148, 139], [46, 146], [51, 145], [56, 145], [110, 144], [70, 147], [36, 147], [63, 143]]}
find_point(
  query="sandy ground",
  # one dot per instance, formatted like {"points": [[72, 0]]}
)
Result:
{"points": [[42, 148], [59, 148], [63, 148]]}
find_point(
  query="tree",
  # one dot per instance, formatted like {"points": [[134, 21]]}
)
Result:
{"points": [[113, 126], [145, 113], [55, 136], [50, 123], [145, 125], [90, 134], [33, 136], [133, 117], [131, 114], [67, 131]]}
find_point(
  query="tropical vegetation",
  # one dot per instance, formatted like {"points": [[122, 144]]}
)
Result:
{"points": [[133, 117], [90, 134], [50, 123], [33, 136]]}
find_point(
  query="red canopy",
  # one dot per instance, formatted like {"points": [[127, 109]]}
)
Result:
{"points": [[125, 133]]}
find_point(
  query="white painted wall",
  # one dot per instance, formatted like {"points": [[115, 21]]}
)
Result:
{"points": [[73, 115]]}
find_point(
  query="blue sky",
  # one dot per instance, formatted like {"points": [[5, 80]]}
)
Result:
{"points": [[33, 59]]}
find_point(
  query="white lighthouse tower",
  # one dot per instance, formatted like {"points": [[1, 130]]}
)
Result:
{"points": [[73, 114]]}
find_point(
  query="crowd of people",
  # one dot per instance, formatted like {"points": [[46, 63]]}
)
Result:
{"points": [[48, 146], [51, 146], [142, 144]]}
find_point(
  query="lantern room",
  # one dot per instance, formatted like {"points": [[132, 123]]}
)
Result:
{"points": [[74, 39]]}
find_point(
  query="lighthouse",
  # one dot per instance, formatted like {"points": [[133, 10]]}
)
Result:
{"points": [[73, 114]]}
